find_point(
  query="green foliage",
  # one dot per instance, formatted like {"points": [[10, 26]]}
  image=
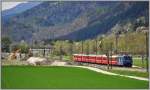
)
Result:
{"points": [[61, 48], [85, 19], [108, 42], [14, 47], [131, 42], [141, 21], [100, 10], [138, 62], [6, 44], [24, 47]]}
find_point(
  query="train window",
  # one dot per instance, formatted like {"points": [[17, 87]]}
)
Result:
{"points": [[127, 58], [120, 60]]}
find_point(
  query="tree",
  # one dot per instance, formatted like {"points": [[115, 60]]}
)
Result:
{"points": [[14, 47], [24, 47], [6, 44]]}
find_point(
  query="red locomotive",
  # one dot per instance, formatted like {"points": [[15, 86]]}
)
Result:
{"points": [[120, 60]]}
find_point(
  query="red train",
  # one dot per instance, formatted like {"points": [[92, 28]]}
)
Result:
{"points": [[120, 60]]}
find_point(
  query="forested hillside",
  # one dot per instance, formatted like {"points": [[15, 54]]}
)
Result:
{"points": [[77, 20]]}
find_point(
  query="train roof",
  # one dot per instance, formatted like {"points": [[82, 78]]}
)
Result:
{"points": [[88, 55], [113, 56], [94, 55]]}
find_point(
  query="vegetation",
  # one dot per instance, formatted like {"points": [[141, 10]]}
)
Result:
{"points": [[138, 62], [73, 20], [63, 77], [75, 27], [6, 44], [125, 44], [24, 47], [131, 73]]}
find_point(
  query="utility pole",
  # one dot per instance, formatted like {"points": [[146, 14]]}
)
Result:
{"points": [[96, 50], [111, 54], [96, 45], [146, 32], [107, 54], [87, 48], [71, 49], [61, 52], [147, 49], [52, 46], [142, 60], [44, 52], [10, 48], [82, 47], [116, 42]]}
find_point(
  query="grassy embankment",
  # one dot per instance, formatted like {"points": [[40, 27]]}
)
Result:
{"points": [[63, 77]]}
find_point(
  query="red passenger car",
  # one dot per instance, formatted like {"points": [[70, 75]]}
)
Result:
{"points": [[121, 60]]}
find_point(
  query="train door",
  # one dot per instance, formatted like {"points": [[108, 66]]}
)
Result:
{"points": [[120, 60]]}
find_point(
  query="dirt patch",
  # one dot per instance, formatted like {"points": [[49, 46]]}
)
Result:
{"points": [[58, 63]]}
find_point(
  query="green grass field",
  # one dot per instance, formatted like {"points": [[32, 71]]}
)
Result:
{"points": [[131, 73], [63, 77], [138, 62]]}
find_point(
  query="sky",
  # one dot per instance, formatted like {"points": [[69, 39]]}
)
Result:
{"points": [[8, 5]]}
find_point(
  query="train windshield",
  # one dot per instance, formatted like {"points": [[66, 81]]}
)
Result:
{"points": [[127, 58]]}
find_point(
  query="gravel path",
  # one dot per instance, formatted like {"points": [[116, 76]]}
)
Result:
{"points": [[110, 73], [58, 63]]}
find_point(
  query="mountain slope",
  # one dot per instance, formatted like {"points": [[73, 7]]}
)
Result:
{"points": [[71, 20], [19, 9], [136, 10]]}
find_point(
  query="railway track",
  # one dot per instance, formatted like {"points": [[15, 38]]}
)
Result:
{"points": [[105, 67]]}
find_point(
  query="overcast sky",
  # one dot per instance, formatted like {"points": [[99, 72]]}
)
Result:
{"points": [[8, 5]]}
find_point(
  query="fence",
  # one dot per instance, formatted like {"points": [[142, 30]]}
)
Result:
{"points": [[19, 56]]}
